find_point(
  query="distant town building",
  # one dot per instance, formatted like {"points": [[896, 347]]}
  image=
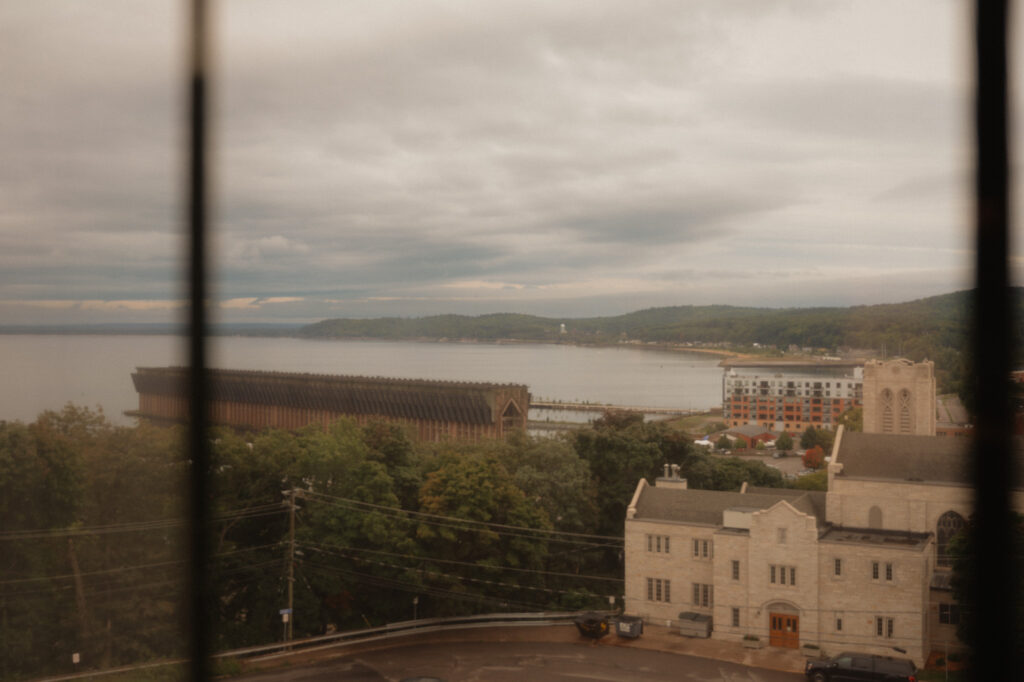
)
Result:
{"points": [[899, 397], [789, 399], [430, 410], [751, 434]]}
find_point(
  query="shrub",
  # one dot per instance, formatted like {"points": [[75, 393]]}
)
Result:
{"points": [[814, 458]]}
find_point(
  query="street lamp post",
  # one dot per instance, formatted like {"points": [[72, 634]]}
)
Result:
{"points": [[415, 601]]}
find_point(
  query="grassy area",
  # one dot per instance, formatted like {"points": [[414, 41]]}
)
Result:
{"points": [[695, 423]]}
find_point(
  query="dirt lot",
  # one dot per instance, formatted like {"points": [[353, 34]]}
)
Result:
{"points": [[787, 465]]}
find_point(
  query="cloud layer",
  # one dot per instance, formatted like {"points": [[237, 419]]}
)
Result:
{"points": [[553, 157]]}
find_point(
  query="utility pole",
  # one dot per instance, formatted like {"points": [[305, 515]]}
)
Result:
{"points": [[291, 564]]}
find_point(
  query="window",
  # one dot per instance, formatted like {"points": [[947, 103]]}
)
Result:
{"points": [[702, 549], [657, 543], [884, 627], [888, 572], [782, 575], [874, 570], [703, 595], [839, 567], [905, 421], [839, 623], [659, 590], [735, 617], [735, 570], [949, 614], [948, 526]]}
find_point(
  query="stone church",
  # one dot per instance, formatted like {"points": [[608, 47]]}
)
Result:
{"points": [[862, 567]]}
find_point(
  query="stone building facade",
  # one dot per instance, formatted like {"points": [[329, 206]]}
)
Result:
{"points": [[899, 397], [862, 567], [429, 410]]}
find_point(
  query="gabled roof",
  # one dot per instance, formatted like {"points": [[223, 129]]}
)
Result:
{"points": [[708, 506], [808, 501], [904, 458], [919, 459], [461, 402]]}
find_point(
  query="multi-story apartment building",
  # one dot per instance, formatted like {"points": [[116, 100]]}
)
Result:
{"points": [[862, 567], [790, 400]]}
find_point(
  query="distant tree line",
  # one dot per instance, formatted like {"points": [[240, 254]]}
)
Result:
{"points": [[92, 536], [932, 328]]}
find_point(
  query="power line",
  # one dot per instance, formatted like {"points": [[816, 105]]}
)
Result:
{"points": [[137, 567], [468, 524], [325, 547], [460, 578], [414, 588], [248, 512]]}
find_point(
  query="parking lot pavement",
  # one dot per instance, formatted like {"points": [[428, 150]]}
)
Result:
{"points": [[517, 661], [662, 638], [559, 651]]}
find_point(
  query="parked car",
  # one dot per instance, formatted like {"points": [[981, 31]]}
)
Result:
{"points": [[854, 666]]}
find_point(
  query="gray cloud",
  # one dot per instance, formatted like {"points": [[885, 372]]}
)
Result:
{"points": [[519, 155]]}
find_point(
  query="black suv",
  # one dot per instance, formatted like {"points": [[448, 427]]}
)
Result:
{"points": [[849, 666]]}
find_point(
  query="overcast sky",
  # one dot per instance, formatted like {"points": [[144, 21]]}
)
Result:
{"points": [[554, 157]]}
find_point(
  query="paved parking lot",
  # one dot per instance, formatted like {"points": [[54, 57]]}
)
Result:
{"points": [[553, 652], [518, 661]]}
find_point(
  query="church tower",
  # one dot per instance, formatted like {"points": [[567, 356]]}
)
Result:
{"points": [[899, 397]]}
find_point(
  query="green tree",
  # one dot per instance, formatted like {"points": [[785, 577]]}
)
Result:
{"points": [[477, 487], [852, 419], [729, 473], [816, 481], [817, 437], [723, 443], [784, 442]]}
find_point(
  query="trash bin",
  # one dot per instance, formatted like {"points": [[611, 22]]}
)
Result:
{"points": [[629, 626], [694, 624], [592, 625]]}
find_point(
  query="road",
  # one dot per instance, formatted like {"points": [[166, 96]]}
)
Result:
{"points": [[536, 662]]}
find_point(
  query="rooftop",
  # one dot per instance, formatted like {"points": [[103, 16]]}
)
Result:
{"points": [[922, 459], [708, 506], [462, 402], [874, 536]]}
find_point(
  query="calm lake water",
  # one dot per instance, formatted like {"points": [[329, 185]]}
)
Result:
{"points": [[45, 372]]}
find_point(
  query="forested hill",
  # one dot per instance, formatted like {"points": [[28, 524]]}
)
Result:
{"points": [[939, 321], [934, 328]]}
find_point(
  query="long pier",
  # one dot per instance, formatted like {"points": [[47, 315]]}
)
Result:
{"points": [[603, 407]]}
